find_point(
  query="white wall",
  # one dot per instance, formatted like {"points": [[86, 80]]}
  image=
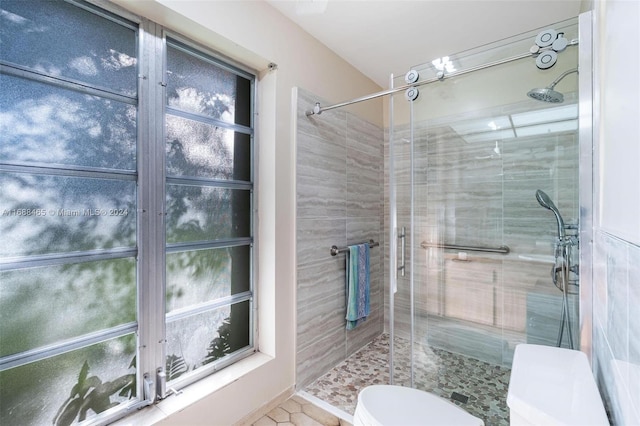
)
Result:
{"points": [[255, 34], [619, 67], [616, 258]]}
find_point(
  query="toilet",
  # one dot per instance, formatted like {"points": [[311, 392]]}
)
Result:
{"points": [[389, 405], [553, 386]]}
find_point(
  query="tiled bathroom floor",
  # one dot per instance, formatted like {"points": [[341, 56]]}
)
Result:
{"points": [[297, 411], [437, 371]]}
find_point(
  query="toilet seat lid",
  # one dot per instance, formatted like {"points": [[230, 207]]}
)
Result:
{"points": [[399, 405]]}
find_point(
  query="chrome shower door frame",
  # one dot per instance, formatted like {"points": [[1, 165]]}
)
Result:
{"points": [[588, 161]]}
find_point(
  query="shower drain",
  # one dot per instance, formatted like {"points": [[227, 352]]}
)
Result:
{"points": [[459, 397]]}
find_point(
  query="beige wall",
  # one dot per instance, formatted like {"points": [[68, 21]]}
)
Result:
{"points": [[255, 34]]}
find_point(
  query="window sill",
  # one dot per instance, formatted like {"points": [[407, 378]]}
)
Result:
{"points": [[194, 392]]}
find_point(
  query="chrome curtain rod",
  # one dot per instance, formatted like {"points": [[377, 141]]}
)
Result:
{"points": [[335, 250], [318, 109], [501, 249]]}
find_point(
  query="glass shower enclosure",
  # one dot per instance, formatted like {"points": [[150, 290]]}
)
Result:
{"points": [[476, 265]]}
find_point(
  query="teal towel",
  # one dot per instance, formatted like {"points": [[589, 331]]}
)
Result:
{"points": [[358, 304]]}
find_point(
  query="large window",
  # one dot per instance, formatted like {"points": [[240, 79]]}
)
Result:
{"points": [[126, 213], [209, 190]]}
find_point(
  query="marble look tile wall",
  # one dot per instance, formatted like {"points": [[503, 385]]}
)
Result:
{"points": [[616, 328], [339, 202], [476, 195]]}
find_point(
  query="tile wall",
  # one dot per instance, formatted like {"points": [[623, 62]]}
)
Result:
{"points": [[616, 327], [339, 202]]}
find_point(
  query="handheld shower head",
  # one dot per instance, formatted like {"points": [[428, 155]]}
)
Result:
{"points": [[546, 202], [548, 94]]}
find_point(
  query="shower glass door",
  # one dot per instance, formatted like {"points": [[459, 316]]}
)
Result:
{"points": [[485, 269], [399, 294]]}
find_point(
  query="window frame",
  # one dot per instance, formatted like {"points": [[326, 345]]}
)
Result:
{"points": [[150, 173], [208, 55]]}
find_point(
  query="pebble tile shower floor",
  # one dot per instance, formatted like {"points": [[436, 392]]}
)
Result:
{"points": [[442, 373]]}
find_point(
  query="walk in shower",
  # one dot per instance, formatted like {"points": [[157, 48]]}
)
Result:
{"points": [[480, 227]]}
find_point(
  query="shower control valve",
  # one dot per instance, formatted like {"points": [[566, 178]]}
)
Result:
{"points": [[568, 240]]}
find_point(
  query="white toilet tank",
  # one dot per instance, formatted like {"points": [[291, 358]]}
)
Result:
{"points": [[553, 386]]}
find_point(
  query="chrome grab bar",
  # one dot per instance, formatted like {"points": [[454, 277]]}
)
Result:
{"points": [[501, 249], [335, 250]]}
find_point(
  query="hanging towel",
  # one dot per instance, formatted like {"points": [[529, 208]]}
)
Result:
{"points": [[358, 304]]}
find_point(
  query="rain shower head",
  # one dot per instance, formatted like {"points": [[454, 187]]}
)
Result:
{"points": [[546, 202], [548, 94]]}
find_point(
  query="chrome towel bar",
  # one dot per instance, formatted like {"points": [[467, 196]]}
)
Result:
{"points": [[501, 249], [335, 250]]}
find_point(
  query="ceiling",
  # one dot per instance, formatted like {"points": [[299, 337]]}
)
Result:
{"points": [[380, 37]]}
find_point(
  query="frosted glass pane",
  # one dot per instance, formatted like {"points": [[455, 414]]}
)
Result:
{"points": [[204, 338], [38, 393], [52, 214], [200, 276], [198, 149], [42, 123], [198, 86], [95, 295], [60, 39], [200, 213]]}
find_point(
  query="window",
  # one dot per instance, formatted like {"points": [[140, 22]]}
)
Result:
{"points": [[126, 213], [208, 210]]}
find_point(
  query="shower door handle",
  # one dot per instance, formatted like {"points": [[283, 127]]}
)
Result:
{"points": [[403, 245]]}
